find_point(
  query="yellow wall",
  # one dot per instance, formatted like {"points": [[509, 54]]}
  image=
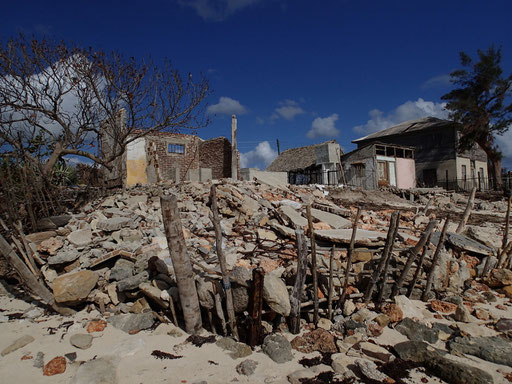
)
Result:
{"points": [[136, 163]]}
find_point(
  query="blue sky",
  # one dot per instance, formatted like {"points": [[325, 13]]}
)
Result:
{"points": [[299, 71]]}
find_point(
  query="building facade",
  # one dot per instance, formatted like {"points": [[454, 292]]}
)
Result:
{"points": [[437, 161], [377, 165]]}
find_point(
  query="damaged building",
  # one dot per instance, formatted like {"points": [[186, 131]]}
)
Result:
{"points": [[437, 161], [168, 156], [377, 165], [313, 164]]}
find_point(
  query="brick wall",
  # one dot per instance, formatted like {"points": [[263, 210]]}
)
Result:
{"points": [[216, 154], [168, 162]]}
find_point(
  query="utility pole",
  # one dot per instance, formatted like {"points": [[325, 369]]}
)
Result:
{"points": [[278, 149], [234, 152]]}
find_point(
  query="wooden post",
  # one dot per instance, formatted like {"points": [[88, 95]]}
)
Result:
{"points": [[256, 307], [330, 293], [295, 297], [418, 269], [313, 263], [503, 255], [507, 224], [234, 157], [413, 253], [349, 258], [435, 258], [386, 266], [467, 211], [387, 249], [222, 262], [486, 264], [29, 280], [181, 264]]}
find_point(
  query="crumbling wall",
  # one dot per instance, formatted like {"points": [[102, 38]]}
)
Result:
{"points": [[174, 165], [216, 154], [366, 176]]}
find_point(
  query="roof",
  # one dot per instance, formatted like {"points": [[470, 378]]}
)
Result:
{"points": [[366, 145], [296, 158], [407, 127]]}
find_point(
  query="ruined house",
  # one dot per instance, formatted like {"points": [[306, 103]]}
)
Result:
{"points": [[313, 164], [376, 165], [437, 161], [168, 156]]}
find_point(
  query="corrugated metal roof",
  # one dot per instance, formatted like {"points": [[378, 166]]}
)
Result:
{"points": [[407, 127]]}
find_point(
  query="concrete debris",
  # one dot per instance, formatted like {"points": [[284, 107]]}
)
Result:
{"points": [[112, 260]]}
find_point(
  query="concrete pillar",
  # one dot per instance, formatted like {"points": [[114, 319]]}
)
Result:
{"points": [[234, 157]]}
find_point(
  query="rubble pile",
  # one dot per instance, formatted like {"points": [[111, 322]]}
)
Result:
{"points": [[113, 256]]}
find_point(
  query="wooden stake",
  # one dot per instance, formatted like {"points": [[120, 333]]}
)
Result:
{"points": [[29, 280], [313, 263], [467, 212], [222, 262], [331, 285], [418, 268], [387, 248], [507, 223], [296, 296], [181, 264], [413, 253], [387, 262], [503, 255], [349, 259], [435, 258], [256, 307]]}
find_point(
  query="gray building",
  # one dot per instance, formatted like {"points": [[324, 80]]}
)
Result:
{"points": [[377, 165], [313, 164], [438, 163]]}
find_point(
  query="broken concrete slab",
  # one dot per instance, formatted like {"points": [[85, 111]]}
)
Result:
{"points": [[333, 220], [294, 217], [462, 242], [342, 236]]}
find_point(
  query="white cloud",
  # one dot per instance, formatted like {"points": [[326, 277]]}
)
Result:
{"points": [[227, 106], [409, 110], [287, 109], [217, 10], [437, 82], [505, 145], [261, 156], [324, 127]]}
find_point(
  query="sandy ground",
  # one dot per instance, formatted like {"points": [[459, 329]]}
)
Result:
{"points": [[132, 354]]}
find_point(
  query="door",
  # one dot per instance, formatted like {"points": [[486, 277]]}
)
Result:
{"points": [[383, 173]]}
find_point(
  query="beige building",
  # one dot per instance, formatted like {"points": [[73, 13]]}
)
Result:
{"points": [[437, 160]]}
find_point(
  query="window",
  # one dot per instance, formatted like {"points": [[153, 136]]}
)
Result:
{"points": [[464, 172], [358, 169], [176, 148]]}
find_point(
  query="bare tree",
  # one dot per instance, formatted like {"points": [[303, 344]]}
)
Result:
{"points": [[55, 98]]}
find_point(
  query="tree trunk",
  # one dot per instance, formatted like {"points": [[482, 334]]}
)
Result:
{"points": [[181, 264]]}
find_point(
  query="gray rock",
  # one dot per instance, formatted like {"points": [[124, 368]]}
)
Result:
{"points": [[240, 276], [81, 340], [416, 331], [462, 314], [33, 313], [276, 294], [236, 349], [132, 322], [333, 220], [39, 360], [132, 282], [97, 371], [17, 344], [369, 369], [246, 367], [80, 238], [295, 219], [114, 224], [64, 256], [504, 325], [441, 366], [278, 348], [240, 298], [494, 349], [122, 269]]}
